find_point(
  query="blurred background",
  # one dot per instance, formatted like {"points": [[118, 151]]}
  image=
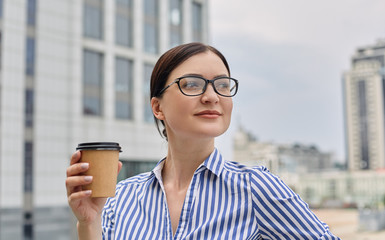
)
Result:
{"points": [[310, 106]]}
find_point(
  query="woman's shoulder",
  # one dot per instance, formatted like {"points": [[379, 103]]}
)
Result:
{"points": [[136, 180], [257, 174], [241, 168], [261, 181]]}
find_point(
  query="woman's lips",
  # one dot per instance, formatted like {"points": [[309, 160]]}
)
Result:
{"points": [[209, 114]]}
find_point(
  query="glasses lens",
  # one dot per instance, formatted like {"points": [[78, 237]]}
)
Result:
{"points": [[226, 86], [192, 85]]}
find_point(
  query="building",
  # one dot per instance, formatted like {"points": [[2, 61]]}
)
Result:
{"points": [[75, 71], [364, 92], [310, 173], [362, 189], [280, 159]]}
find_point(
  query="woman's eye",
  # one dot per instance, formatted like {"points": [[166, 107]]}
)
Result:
{"points": [[190, 85], [222, 85]]}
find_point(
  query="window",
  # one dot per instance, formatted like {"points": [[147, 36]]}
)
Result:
{"points": [[132, 168], [123, 27], [148, 116], [175, 22], [30, 57], [383, 91], [28, 166], [92, 83], [124, 3], [364, 128], [93, 19], [1, 8], [1, 43], [197, 21], [333, 188], [151, 28], [92, 105], [349, 186], [31, 12], [29, 102], [123, 88]]}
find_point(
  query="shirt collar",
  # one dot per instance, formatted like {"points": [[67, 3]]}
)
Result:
{"points": [[214, 163], [157, 171]]}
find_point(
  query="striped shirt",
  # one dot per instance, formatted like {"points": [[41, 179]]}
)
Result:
{"points": [[225, 200]]}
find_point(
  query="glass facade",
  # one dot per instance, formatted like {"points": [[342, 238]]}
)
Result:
{"points": [[148, 116], [123, 88], [1, 8], [151, 26], [132, 168], [29, 103], [1, 43], [175, 20], [383, 100], [197, 22], [363, 121], [28, 166], [124, 23], [31, 12], [93, 19], [92, 83], [30, 56], [49, 223], [1, 31], [104, 72]]}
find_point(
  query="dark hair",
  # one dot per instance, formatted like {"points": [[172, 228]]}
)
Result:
{"points": [[169, 61]]}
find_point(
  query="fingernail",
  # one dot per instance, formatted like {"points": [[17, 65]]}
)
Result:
{"points": [[88, 178], [88, 192], [84, 165]]}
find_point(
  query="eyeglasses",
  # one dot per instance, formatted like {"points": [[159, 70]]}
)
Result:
{"points": [[196, 85]]}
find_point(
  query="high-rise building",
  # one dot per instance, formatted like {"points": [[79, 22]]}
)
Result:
{"points": [[77, 71], [364, 95]]}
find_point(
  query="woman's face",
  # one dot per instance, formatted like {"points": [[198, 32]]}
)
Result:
{"points": [[204, 116]]}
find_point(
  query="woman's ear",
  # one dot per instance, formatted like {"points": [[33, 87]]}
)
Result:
{"points": [[156, 108]]}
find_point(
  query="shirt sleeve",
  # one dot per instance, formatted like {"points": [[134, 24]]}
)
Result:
{"points": [[108, 219], [281, 213]]}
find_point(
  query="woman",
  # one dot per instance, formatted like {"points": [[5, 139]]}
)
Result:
{"points": [[193, 193]]}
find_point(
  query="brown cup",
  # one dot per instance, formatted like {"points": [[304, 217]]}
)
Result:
{"points": [[103, 159]]}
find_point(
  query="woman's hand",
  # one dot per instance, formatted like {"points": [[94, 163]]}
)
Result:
{"points": [[86, 209]]}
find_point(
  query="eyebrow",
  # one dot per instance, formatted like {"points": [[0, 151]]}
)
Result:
{"points": [[200, 75]]}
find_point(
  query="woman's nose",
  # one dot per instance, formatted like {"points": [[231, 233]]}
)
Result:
{"points": [[210, 95]]}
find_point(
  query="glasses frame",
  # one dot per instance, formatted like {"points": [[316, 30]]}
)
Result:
{"points": [[207, 81]]}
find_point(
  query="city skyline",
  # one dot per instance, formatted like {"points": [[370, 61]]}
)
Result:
{"points": [[290, 59]]}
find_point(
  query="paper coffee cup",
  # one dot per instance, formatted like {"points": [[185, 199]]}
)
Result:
{"points": [[103, 159]]}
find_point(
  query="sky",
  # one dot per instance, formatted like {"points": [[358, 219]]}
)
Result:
{"points": [[289, 57]]}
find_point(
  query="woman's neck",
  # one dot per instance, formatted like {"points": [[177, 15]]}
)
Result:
{"points": [[183, 158]]}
